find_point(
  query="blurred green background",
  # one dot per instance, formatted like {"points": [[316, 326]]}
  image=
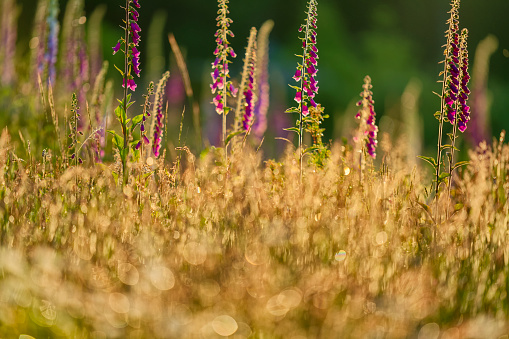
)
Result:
{"points": [[396, 42]]}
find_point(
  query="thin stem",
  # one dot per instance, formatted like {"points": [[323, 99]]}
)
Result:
{"points": [[126, 70], [303, 78], [440, 133]]}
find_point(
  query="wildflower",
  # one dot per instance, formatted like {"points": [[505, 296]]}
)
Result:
{"points": [[130, 41], [159, 116], [247, 100], [463, 108], [307, 69], [367, 128], [220, 72]]}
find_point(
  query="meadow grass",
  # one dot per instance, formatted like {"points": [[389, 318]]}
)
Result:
{"points": [[319, 243]]}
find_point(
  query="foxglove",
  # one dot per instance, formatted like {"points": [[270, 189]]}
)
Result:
{"points": [[220, 71], [246, 101], [129, 45], [368, 130], [158, 113]]}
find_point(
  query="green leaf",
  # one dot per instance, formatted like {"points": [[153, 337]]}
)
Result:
{"points": [[292, 129], [118, 141], [437, 115], [312, 148], [115, 177], [295, 87], [292, 110], [119, 113], [458, 206], [460, 163], [443, 176], [136, 121], [430, 160], [231, 136]]}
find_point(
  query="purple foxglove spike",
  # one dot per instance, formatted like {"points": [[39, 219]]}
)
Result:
{"points": [[312, 102], [465, 89], [217, 99], [314, 48], [135, 52], [312, 61], [453, 96], [145, 139], [219, 108], [313, 54], [135, 27], [142, 128], [116, 48], [213, 87], [216, 62], [453, 67], [138, 145], [215, 74], [305, 111], [233, 90], [449, 101], [310, 92], [131, 85], [135, 14], [220, 84], [136, 38], [303, 44], [462, 126], [455, 81], [135, 2], [311, 70], [232, 53], [453, 88], [358, 115], [359, 103], [298, 75], [216, 51], [300, 29], [451, 115], [455, 59], [298, 97]]}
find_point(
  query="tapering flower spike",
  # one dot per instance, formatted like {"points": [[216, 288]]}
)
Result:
{"points": [[159, 115], [128, 44], [307, 69], [306, 72], [262, 80], [220, 72], [462, 108], [246, 101], [367, 133]]}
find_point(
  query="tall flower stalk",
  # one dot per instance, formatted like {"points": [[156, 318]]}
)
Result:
{"points": [[220, 72], [262, 80], [128, 45], [458, 110], [366, 136], [453, 101], [157, 129], [246, 101], [448, 87], [306, 73]]}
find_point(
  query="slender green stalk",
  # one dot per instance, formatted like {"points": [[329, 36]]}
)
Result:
{"points": [[125, 174]]}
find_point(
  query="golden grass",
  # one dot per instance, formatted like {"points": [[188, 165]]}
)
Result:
{"points": [[251, 252]]}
